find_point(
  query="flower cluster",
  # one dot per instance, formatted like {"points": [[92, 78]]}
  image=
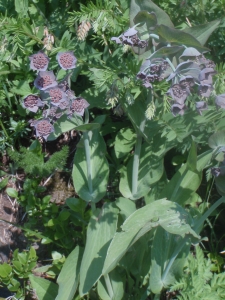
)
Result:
{"points": [[152, 70], [193, 74], [56, 98], [130, 38]]}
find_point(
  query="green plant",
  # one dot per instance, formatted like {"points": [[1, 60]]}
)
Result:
{"points": [[15, 275], [198, 281]]}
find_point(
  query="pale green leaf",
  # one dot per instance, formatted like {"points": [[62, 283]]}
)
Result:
{"points": [[101, 229], [98, 165], [69, 276], [45, 289], [202, 32], [167, 214]]}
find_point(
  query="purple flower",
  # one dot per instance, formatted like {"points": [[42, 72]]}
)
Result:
{"points": [[200, 106], [78, 106], [187, 81], [66, 60], [54, 113], [39, 61], [205, 76], [130, 38], [205, 90], [45, 80], [32, 102], [178, 109], [43, 128], [55, 95], [178, 93], [220, 101]]}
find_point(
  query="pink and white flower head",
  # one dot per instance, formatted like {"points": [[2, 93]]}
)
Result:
{"points": [[55, 95], [78, 106], [66, 60], [32, 103], [43, 128], [45, 80], [39, 61]]}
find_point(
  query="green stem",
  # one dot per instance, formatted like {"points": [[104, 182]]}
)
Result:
{"points": [[3, 128], [109, 286], [136, 161], [170, 63], [88, 161]]}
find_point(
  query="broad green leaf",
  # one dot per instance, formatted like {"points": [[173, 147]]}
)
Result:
{"points": [[5, 270], [167, 214], [172, 35], [202, 32], [64, 124], [217, 140], [126, 206], [87, 127], [12, 192], [118, 286], [124, 142], [93, 188], [150, 170], [192, 158], [21, 6], [21, 88], [185, 181], [146, 17], [69, 276], [147, 5], [101, 229], [165, 52], [4, 183], [220, 184], [164, 247], [45, 289]]}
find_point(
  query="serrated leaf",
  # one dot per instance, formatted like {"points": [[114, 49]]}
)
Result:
{"points": [[101, 229], [44, 288], [69, 276]]}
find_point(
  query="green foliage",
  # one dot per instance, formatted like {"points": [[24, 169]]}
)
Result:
{"points": [[15, 275], [32, 161], [198, 281]]}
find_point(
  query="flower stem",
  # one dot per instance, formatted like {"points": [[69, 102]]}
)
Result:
{"points": [[3, 128], [136, 161], [109, 286], [88, 159], [170, 63]]}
